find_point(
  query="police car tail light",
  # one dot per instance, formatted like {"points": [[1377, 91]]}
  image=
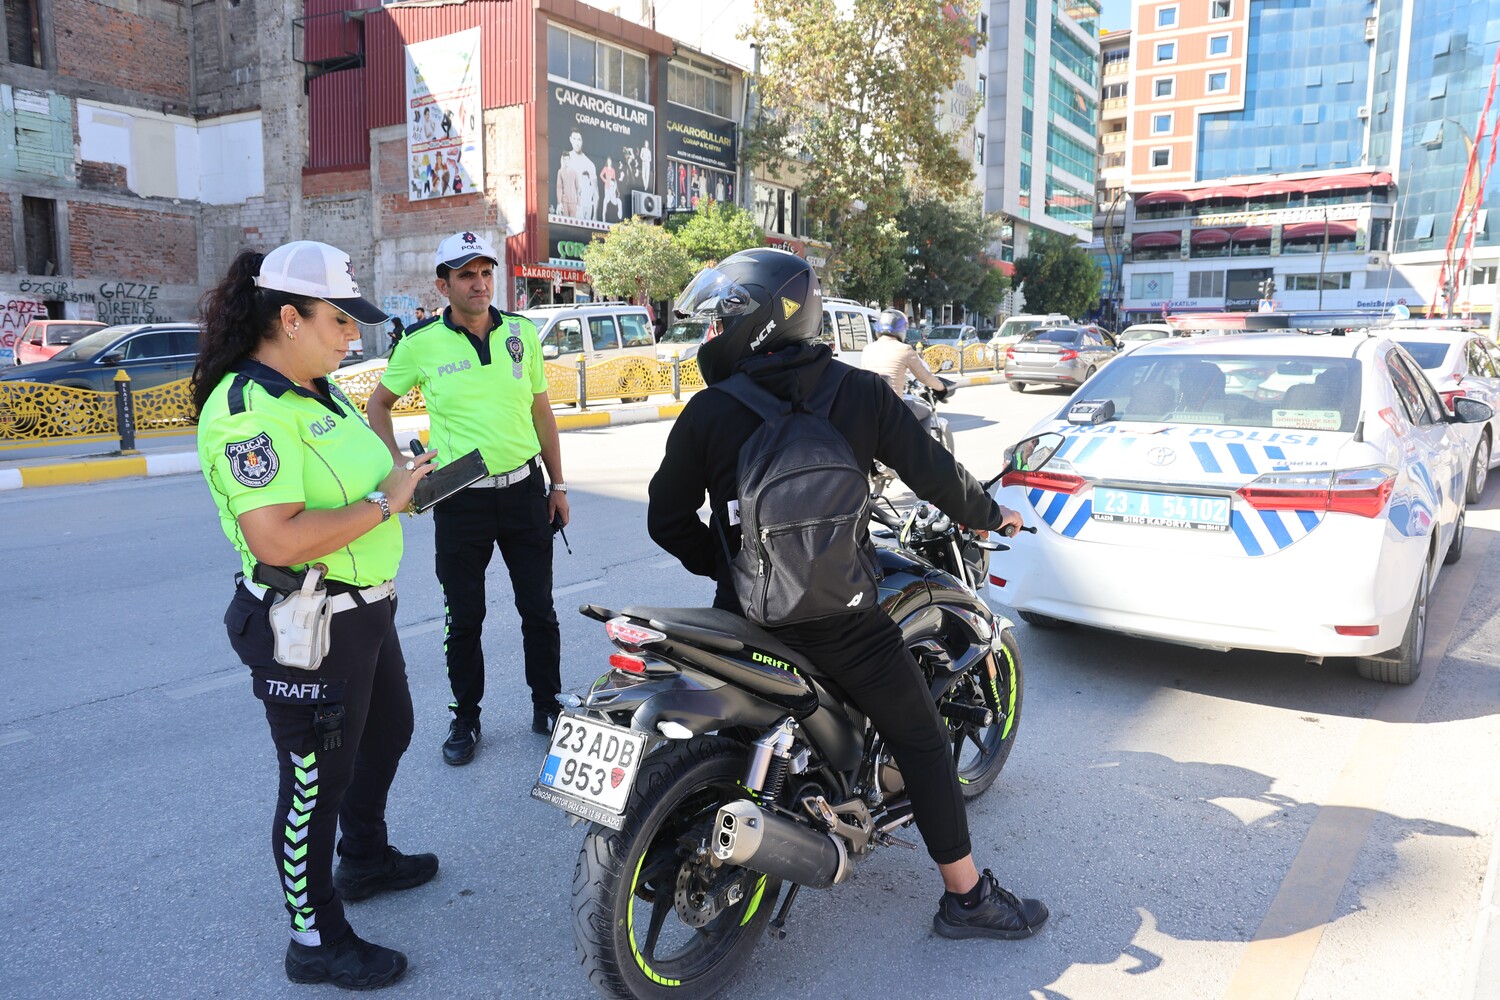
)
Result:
{"points": [[1055, 482], [629, 636], [1353, 491], [1451, 395], [626, 662]]}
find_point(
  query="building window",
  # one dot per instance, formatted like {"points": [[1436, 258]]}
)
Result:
{"points": [[1218, 45], [775, 209], [984, 24], [1151, 285], [981, 91], [693, 87], [1205, 284], [1115, 91], [1161, 158], [1161, 124], [1309, 282], [1166, 17], [1166, 52], [39, 223], [1164, 86], [1424, 227], [588, 62], [24, 32], [979, 149], [1218, 82], [1218, 10]]}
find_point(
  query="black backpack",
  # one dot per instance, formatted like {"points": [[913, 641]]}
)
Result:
{"points": [[803, 505]]}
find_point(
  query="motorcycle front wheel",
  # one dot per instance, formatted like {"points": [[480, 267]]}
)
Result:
{"points": [[980, 752], [651, 917]]}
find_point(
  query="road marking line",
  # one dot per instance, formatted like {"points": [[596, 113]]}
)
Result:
{"points": [[1276, 960], [15, 736], [204, 686], [574, 588]]}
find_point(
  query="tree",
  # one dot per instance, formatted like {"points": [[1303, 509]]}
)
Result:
{"points": [[715, 231], [639, 261], [1058, 275], [852, 89], [985, 298], [946, 239]]}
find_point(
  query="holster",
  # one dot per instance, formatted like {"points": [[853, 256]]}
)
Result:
{"points": [[300, 623]]}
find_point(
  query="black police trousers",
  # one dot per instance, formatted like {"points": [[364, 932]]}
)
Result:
{"points": [[469, 525], [324, 789], [865, 656]]}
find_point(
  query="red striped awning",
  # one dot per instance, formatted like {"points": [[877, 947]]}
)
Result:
{"points": [[1146, 240], [1210, 237], [1162, 198], [1304, 230], [1223, 191], [1382, 180], [1344, 182], [1272, 189], [1251, 234]]}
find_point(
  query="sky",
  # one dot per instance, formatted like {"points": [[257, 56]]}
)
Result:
{"points": [[1115, 14]]}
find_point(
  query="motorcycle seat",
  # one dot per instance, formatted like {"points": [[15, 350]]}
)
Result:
{"points": [[719, 630]]}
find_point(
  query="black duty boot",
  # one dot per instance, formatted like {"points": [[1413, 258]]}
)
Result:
{"points": [[995, 914], [463, 740], [356, 880], [543, 720], [350, 962]]}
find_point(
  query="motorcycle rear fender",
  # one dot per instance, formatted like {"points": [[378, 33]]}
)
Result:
{"points": [[697, 701]]}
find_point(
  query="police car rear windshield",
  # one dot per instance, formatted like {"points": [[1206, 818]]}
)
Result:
{"points": [[1241, 391], [1426, 355]]}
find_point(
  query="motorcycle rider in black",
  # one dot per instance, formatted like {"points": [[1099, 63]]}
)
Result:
{"points": [[764, 309]]}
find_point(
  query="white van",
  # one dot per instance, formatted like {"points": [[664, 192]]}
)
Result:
{"points": [[596, 330], [1014, 328], [848, 327]]}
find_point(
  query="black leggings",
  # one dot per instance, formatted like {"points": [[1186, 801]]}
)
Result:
{"points": [[864, 654], [324, 790]]}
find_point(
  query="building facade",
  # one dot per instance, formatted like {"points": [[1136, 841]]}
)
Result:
{"points": [[1109, 240]]}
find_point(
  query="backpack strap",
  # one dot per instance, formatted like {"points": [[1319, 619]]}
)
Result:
{"points": [[760, 400], [821, 400]]}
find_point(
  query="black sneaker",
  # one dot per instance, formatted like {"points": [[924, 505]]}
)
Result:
{"points": [[543, 720], [998, 914], [356, 880], [463, 740], [350, 962]]}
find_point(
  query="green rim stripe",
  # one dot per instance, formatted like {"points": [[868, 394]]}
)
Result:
{"points": [[760, 890], [640, 959]]}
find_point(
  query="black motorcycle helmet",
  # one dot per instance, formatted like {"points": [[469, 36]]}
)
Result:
{"points": [[754, 302], [892, 324]]}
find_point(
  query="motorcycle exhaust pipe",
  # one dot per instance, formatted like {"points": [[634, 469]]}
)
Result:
{"points": [[750, 837]]}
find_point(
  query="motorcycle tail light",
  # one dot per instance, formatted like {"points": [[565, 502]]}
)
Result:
{"points": [[629, 664], [1055, 482], [627, 634], [1353, 491]]}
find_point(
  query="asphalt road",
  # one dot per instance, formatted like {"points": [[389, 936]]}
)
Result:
{"points": [[1201, 824]]}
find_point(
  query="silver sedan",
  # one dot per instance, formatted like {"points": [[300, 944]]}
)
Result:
{"points": [[1059, 355]]}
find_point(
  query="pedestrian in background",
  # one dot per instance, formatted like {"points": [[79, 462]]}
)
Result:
{"points": [[301, 482], [421, 316], [481, 374], [398, 329]]}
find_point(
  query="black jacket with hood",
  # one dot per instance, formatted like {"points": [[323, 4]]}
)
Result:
{"points": [[703, 452]]}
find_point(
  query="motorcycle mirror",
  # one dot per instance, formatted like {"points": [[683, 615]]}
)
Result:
{"points": [[1030, 454], [946, 366]]}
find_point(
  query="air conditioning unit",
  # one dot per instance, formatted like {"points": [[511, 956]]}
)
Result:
{"points": [[1371, 26], [1377, 258], [1364, 112], [645, 203]]}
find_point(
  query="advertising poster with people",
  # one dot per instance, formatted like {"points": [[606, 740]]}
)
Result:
{"points": [[602, 149], [444, 117], [700, 152]]}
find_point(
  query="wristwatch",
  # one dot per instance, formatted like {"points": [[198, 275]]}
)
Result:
{"points": [[379, 499], [558, 488]]}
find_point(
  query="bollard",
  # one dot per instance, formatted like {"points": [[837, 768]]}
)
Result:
{"points": [[124, 412], [960, 357], [676, 377], [583, 386]]}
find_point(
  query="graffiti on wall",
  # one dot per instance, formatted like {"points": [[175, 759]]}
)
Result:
{"points": [[110, 302], [402, 306], [14, 315]]}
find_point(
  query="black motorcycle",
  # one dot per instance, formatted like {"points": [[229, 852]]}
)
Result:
{"points": [[716, 765]]}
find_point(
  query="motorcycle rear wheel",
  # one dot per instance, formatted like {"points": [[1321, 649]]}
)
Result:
{"points": [[980, 752], [629, 883]]}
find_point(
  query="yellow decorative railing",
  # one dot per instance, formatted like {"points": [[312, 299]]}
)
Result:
{"points": [[33, 411]]}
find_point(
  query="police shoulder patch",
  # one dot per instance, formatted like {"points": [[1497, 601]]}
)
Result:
{"points": [[252, 462]]}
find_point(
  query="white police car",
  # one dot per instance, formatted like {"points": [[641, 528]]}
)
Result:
{"points": [[1290, 494]]}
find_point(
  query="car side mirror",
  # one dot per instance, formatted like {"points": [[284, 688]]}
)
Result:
{"points": [[112, 358], [549, 351], [1470, 411], [1030, 454]]}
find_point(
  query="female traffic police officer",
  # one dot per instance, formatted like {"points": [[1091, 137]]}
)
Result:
{"points": [[300, 481]]}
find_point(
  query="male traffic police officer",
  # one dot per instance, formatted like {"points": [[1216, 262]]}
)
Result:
{"points": [[481, 373]]}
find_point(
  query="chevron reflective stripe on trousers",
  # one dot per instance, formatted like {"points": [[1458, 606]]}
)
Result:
{"points": [[294, 865]]}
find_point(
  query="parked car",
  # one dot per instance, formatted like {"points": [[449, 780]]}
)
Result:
{"points": [[1312, 523], [1011, 331], [681, 340], [597, 330], [42, 338], [1461, 363], [954, 335], [1143, 333], [1057, 355], [151, 353], [848, 327]]}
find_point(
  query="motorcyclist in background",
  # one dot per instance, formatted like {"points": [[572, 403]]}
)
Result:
{"points": [[763, 308], [892, 358]]}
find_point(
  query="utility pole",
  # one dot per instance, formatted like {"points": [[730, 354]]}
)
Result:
{"points": [[752, 112], [1323, 264]]}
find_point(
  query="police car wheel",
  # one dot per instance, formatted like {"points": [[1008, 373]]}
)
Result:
{"points": [[1479, 471], [1018, 387], [1043, 621], [1456, 547], [1403, 664]]}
